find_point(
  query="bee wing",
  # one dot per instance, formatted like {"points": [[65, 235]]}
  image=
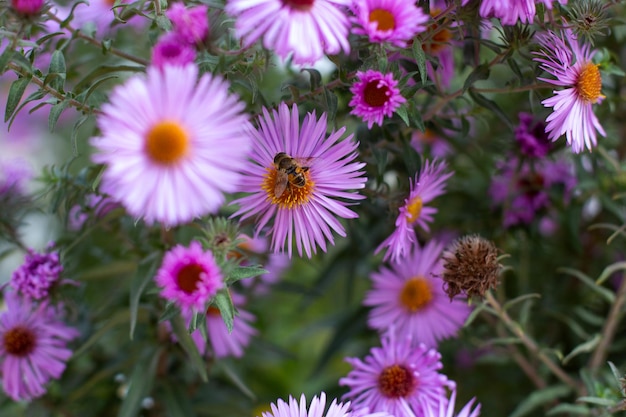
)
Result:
{"points": [[282, 179], [305, 162]]}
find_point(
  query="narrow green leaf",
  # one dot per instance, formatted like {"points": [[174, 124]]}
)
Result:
{"points": [[140, 382], [539, 398], [519, 299], [605, 402], [619, 377], [74, 134], [55, 113], [104, 70], [16, 91], [331, 104], [189, 346], [610, 270], [403, 112], [570, 410], [145, 272], [232, 375], [316, 77], [5, 58], [177, 403], [225, 304], [490, 105], [56, 71], [119, 318], [481, 72], [415, 117], [171, 311], [163, 23], [588, 346], [242, 272], [605, 293], [420, 59]]}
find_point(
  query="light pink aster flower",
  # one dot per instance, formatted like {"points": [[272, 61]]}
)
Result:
{"points": [[190, 24], [318, 171], [391, 21], [172, 144], [170, 49], [375, 96], [308, 29], [447, 410], [316, 409], [429, 183], [410, 299], [399, 378], [563, 57], [189, 276], [33, 347]]}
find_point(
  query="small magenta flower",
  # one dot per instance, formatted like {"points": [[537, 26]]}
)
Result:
{"points": [[33, 347], [189, 276], [190, 24], [37, 275], [531, 136], [392, 21], [376, 96], [399, 378], [171, 50], [27, 7]]}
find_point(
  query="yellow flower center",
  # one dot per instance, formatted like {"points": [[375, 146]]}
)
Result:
{"points": [[188, 277], [167, 142], [19, 341], [293, 196], [589, 83], [416, 294], [383, 18], [413, 209], [396, 381]]}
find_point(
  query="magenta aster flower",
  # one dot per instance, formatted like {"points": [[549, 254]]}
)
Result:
{"points": [[508, 11], [172, 144], [170, 49], [33, 347], [399, 378], [189, 276], [375, 96], [299, 177], [447, 410], [190, 24], [391, 21], [429, 183], [531, 136], [37, 275], [308, 29], [27, 7], [409, 298], [570, 63], [316, 409]]}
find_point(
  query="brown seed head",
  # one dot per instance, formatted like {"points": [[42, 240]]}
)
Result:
{"points": [[470, 266]]}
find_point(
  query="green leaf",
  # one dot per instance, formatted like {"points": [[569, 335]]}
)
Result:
{"points": [[117, 319], [618, 377], [403, 112], [610, 270], [490, 105], [171, 311], [605, 293], [420, 59], [163, 23], [140, 382], [5, 58], [56, 71], [55, 113], [177, 403], [316, 77], [605, 402], [15, 95], [588, 346], [519, 299], [242, 272], [481, 72], [74, 134], [539, 398], [224, 303], [189, 346], [104, 70], [569, 410], [415, 117], [145, 273], [232, 375], [331, 104]]}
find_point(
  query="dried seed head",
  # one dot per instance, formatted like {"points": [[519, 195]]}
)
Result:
{"points": [[470, 266]]}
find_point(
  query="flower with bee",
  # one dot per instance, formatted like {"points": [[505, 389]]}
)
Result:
{"points": [[300, 180]]}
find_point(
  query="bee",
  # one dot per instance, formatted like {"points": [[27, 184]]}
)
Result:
{"points": [[290, 173]]}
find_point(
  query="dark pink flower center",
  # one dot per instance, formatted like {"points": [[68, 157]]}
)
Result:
{"points": [[19, 341], [375, 95], [299, 4], [188, 277], [396, 381]]}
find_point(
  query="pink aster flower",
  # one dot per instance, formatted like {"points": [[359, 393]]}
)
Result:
{"points": [[190, 24], [27, 7], [316, 409], [447, 410], [375, 96], [189, 276], [409, 298], [391, 21], [303, 189], [170, 49], [508, 11], [399, 378], [308, 29], [33, 347], [429, 183], [172, 144], [37, 275], [563, 57]]}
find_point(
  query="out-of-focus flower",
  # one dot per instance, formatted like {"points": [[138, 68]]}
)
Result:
{"points": [[189, 276], [256, 248], [27, 7], [429, 183], [98, 15], [190, 24], [172, 144], [409, 298], [33, 347], [399, 378], [447, 410], [14, 174], [304, 29], [508, 11], [300, 189], [391, 21], [171, 50], [531, 136], [38, 274], [298, 409], [569, 61], [98, 204], [430, 141], [375, 96]]}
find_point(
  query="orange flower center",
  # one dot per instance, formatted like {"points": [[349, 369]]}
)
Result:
{"points": [[589, 83], [293, 196], [188, 277], [167, 142], [413, 209], [375, 95], [212, 311], [303, 5], [416, 294], [19, 341], [396, 381], [440, 38], [383, 19]]}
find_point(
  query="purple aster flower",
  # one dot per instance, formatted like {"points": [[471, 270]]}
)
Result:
{"points": [[33, 347], [38, 274], [391, 21], [410, 299], [375, 96], [190, 24], [447, 410], [508, 11], [299, 178], [170, 49], [305, 29], [429, 183], [399, 378], [189, 276], [531, 136], [14, 174], [298, 409], [98, 204], [172, 144], [563, 57]]}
